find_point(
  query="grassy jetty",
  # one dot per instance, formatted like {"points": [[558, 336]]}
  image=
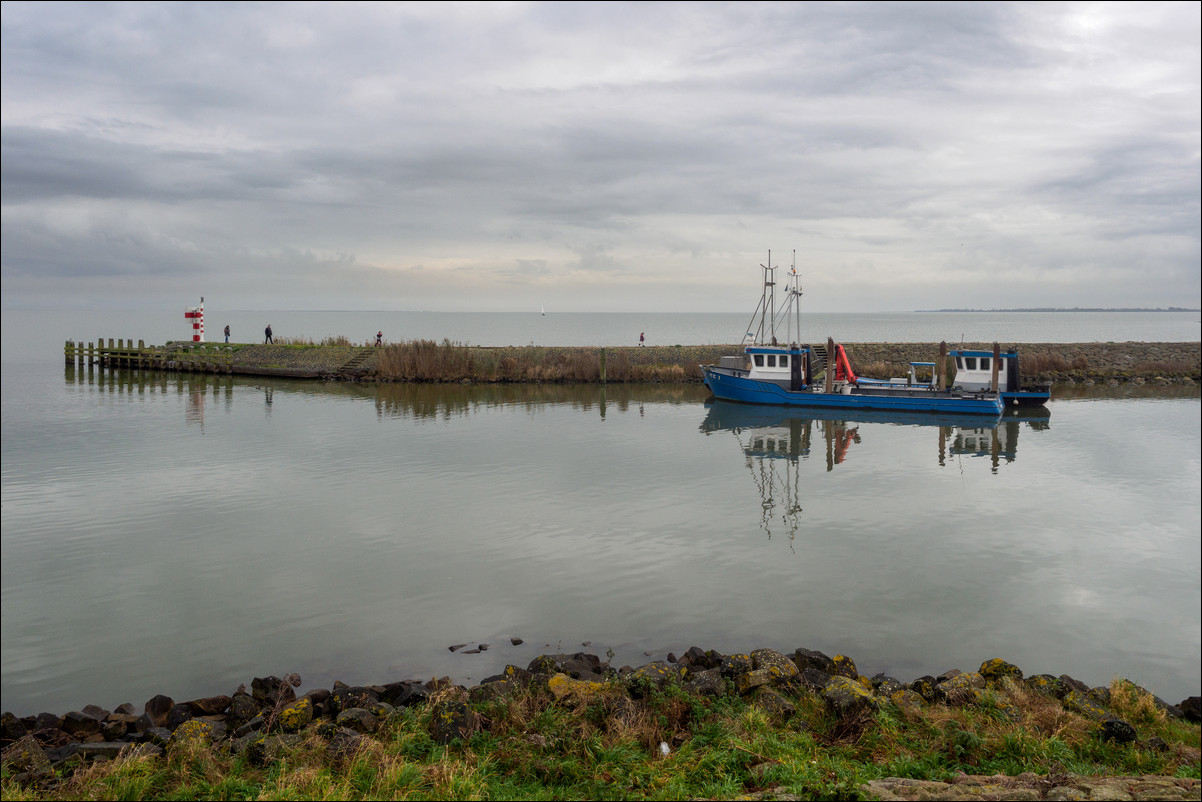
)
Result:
{"points": [[429, 361]]}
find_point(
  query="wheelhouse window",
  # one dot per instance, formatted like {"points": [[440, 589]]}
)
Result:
{"points": [[759, 360], [784, 360], [984, 363], [771, 360], [970, 363], [960, 363]]}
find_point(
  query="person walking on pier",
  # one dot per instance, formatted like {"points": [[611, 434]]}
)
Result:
{"points": [[379, 338], [267, 335], [227, 332], [642, 338]]}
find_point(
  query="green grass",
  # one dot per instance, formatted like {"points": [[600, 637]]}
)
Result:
{"points": [[532, 746]]}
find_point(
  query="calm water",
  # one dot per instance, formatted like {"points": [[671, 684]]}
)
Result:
{"points": [[182, 535]]}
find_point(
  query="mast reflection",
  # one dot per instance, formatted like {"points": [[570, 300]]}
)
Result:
{"points": [[776, 440]]}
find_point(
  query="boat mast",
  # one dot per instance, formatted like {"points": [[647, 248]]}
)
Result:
{"points": [[765, 309], [770, 297], [792, 303]]}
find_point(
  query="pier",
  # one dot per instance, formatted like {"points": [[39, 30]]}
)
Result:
{"points": [[199, 358], [427, 361]]}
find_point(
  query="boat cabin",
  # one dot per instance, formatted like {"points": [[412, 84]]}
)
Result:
{"points": [[974, 370]]}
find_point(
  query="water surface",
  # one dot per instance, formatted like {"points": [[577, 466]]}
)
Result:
{"points": [[183, 534]]}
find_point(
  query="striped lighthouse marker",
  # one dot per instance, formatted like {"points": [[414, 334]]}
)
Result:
{"points": [[197, 315]]}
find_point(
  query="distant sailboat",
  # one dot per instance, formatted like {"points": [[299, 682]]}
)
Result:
{"points": [[543, 311]]}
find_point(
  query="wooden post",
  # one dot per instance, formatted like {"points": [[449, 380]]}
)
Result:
{"points": [[942, 366], [830, 368], [997, 355], [603, 374], [69, 351]]}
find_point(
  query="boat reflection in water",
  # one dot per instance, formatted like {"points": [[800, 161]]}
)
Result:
{"points": [[776, 440], [998, 442]]}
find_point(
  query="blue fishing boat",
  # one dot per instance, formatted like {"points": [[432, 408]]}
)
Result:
{"points": [[818, 376]]}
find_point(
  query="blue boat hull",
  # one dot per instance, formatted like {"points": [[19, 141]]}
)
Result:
{"points": [[751, 391], [1026, 398]]}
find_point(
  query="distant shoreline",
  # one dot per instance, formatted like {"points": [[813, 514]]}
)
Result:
{"points": [[1068, 309]]}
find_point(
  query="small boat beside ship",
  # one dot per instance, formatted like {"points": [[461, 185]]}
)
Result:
{"points": [[821, 376]]}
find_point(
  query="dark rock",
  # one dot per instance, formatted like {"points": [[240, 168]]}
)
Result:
{"points": [[96, 712], [1085, 705], [243, 708], [814, 679], [146, 722], [381, 710], [295, 715], [997, 668], [157, 708], [671, 658], [707, 683], [949, 674], [577, 666], [318, 696], [177, 715], [1046, 684], [808, 658], [1070, 684], [925, 687], [1115, 729], [53, 736], [1154, 744], [270, 691], [452, 720], [749, 681], [26, 759], [114, 730], [357, 719], [344, 697], [405, 694], [511, 674], [46, 721], [1101, 695], [735, 664], [12, 728], [496, 689], [960, 689], [195, 732], [700, 659], [254, 725], [344, 745], [210, 705], [456, 647], [774, 662], [80, 725], [106, 750], [1191, 708], [886, 686], [847, 698], [652, 676], [125, 709], [776, 705], [844, 666], [159, 736]]}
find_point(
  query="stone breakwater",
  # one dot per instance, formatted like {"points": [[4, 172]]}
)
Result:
{"points": [[269, 718], [1067, 363]]}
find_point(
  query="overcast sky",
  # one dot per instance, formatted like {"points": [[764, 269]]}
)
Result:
{"points": [[599, 157]]}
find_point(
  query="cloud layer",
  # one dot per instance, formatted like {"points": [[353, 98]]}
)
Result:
{"points": [[600, 157]]}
